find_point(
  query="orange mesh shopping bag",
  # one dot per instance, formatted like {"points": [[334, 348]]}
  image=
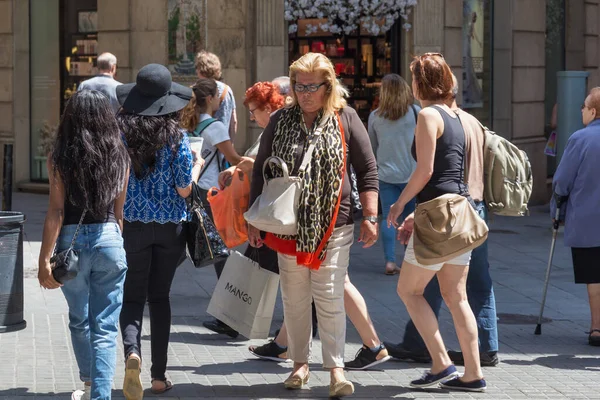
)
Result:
{"points": [[228, 208]]}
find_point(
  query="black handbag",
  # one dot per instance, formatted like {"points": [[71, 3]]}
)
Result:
{"points": [[204, 244], [65, 265]]}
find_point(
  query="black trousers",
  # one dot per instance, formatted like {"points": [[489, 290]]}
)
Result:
{"points": [[153, 253]]}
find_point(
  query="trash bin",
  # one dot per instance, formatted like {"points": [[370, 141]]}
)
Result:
{"points": [[11, 271]]}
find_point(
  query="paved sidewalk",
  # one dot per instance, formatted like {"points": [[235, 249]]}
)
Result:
{"points": [[38, 362]]}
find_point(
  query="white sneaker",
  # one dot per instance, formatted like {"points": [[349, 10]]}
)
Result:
{"points": [[82, 394]]}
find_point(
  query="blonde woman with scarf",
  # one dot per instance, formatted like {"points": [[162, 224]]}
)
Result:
{"points": [[314, 263]]}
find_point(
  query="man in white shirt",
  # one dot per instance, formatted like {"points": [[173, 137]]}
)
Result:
{"points": [[105, 81]]}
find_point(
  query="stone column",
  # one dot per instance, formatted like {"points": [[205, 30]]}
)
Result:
{"points": [[574, 30], [592, 42], [6, 76], [453, 43], [114, 34], [502, 67], [269, 50], [528, 88], [149, 33], [22, 100], [428, 27]]}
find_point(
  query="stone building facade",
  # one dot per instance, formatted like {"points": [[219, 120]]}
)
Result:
{"points": [[251, 38]]}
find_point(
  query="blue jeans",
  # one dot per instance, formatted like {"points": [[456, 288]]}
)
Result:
{"points": [[388, 194], [480, 292], [94, 298]]}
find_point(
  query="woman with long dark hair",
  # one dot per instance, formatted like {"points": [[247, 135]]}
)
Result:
{"points": [[88, 171], [163, 167]]}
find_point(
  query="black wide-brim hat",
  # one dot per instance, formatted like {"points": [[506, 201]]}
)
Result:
{"points": [[154, 93]]}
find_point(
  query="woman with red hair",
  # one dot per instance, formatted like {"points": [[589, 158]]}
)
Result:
{"points": [[262, 99]]}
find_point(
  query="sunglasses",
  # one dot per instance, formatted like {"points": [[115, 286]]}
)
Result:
{"points": [[310, 88]]}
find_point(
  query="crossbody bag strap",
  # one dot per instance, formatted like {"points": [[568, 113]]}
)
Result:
{"points": [[77, 230], [205, 168], [312, 144]]}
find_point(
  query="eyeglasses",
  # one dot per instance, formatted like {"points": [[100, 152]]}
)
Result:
{"points": [[583, 106], [310, 88], [252, 111]]}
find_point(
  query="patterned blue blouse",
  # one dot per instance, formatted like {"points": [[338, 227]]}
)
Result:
{"points": [[154, 198]]}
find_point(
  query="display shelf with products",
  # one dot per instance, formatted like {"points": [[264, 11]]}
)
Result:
{"points": [[360, 60], [78, 62]]}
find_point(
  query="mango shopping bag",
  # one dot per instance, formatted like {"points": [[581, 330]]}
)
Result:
{"points": [[244, 297]]}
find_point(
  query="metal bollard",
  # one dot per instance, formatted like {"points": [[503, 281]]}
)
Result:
{"points": [[8, 178]]}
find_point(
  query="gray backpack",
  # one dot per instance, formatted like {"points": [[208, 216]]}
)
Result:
{"points": [[508, 180]]}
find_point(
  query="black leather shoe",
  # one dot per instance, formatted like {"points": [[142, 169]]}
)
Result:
{"points": [[399, 352], [220, 327], [487, 359]]}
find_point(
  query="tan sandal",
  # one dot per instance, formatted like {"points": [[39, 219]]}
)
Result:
{"points": [[296, 382], [132, 383]]}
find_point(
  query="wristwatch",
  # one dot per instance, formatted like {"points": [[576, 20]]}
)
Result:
{"points": [[372, 219]]}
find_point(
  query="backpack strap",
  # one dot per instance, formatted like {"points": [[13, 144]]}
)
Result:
{"points": [[202, 126]]}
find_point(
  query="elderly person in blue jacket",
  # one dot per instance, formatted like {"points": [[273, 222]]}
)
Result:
{"points": [[577, 178]]}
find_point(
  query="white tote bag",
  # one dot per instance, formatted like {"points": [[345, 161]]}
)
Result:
{"points": [[276, 209], [245, 296]]}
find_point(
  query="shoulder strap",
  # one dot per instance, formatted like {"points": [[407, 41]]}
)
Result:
{"points": [[77, 230], [202, 126], [205, 168], [415, 112], [313, 142], [465, 166], [223, 94]]}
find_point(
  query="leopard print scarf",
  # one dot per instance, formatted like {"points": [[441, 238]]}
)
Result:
{"points": [[322, 183]]}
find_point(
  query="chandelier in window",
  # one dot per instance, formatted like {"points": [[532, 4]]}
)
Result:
{"points": [[346, 16]]}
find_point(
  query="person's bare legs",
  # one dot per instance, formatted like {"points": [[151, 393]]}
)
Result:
{"points": [[594, 297], [411, 284], [453, 286], [356, 310]]}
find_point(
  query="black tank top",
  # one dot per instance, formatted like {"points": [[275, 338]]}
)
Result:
{"points": [[448, 163], [73, 214]]}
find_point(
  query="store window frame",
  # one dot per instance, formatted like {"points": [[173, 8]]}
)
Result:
{"points": [[363, 87], [487, 109]]}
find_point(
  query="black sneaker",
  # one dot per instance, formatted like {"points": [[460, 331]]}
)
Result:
{"points": [[365, 358], [270, 351], [487, 359], [399, 352], [473, 386], [220, 327], [428, 379]]}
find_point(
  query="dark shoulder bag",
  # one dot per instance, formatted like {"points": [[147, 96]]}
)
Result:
{"points": [[65, 265], [204, 244]]}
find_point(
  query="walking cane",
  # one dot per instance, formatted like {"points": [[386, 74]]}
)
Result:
{"points": [[560, 200]]}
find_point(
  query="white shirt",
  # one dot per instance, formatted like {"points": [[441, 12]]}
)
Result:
{"points": [[214, 134]]}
